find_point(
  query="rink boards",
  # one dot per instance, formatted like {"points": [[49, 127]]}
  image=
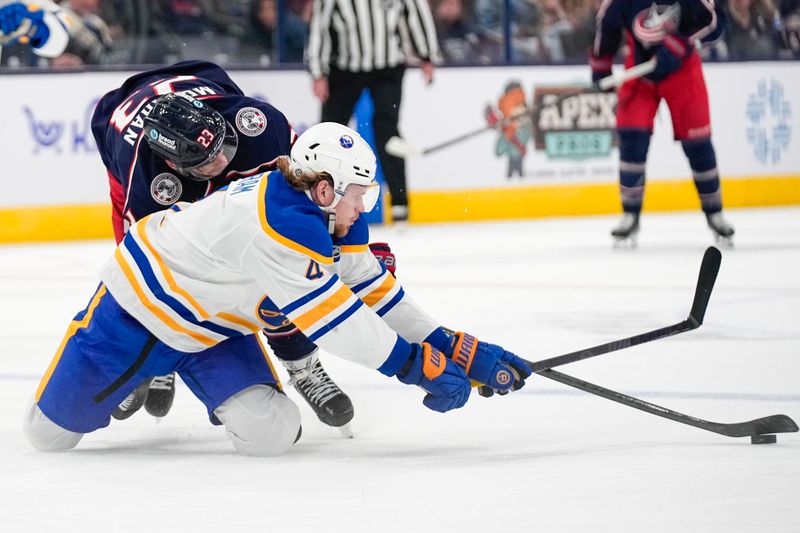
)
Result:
{"points": [[55, 186]]}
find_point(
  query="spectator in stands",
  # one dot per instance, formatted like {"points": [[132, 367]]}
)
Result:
{"points": [[89, 37], [187, 17], [582, 15], [260, 40], [790, 32], [228, 17], [555, 24], [752, 32], [526, 21], [459, 39], [139, 30]]}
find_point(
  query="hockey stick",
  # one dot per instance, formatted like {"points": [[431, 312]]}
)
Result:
{"points": [[705, 284], [751, 428], [399, 147]]}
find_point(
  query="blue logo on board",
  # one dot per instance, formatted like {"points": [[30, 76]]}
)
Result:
{"points": [[769, 117], [57, 135]]}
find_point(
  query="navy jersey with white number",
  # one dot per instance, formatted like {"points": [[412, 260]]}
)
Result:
{"points": [[140, 181]]}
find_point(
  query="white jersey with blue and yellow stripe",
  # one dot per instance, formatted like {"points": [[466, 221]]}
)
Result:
{"points": [[227, 265]]}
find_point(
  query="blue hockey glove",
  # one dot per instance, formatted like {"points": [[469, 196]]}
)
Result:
{"points": [[446, 384], [12, 17], [669, 56], [495, 369]]}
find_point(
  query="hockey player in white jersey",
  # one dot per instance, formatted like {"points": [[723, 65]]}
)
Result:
{"points": [[42, 25], [188, 288]]}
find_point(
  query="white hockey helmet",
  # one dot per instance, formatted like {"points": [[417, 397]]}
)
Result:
{"points": [[341, 153]]}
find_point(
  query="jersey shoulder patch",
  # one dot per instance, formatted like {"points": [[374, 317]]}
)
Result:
{"points": [[166, 188], [251, 121]]}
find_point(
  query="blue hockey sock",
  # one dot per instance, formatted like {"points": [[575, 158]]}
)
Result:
{"points": [[633, 145], [703, 161]]}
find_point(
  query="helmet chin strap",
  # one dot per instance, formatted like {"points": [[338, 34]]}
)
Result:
{"points": [[331, 222], [329, 210]]}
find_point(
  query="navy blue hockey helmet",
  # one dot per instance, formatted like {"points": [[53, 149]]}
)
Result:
{"points": [[188, 133]]}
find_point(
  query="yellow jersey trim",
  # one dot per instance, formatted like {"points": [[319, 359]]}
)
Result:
{"points": [[166, 319], [309, 318], [354, 248], [382, 290], [73, 328]]}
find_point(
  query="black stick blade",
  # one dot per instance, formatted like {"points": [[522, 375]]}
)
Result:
{"points": [[709, 269], [774, 424], [759, 426]]}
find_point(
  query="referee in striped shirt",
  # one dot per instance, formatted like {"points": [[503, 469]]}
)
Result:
{"points": [[360, 44]]}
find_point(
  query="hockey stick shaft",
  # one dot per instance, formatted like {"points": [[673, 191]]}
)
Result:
{"points": [[709, 268], [636, 71], [399, 147], [759, 426]]}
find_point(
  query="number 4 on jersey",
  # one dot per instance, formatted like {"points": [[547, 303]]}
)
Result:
{"points": [[314, 271]]}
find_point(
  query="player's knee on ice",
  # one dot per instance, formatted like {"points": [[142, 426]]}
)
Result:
{"points": [[260, 421], [44, 434]]}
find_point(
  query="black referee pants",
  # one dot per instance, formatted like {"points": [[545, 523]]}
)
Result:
{"points": [[386, 87]]}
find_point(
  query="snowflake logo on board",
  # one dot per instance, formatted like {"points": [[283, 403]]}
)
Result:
{"points": [[769, 127]]}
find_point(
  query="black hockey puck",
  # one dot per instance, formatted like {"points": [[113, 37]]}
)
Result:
{"points": [[763, 439]]}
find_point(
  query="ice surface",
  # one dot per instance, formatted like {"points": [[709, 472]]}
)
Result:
{"points": [[546, 459]]}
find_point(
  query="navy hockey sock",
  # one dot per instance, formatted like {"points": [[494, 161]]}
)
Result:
{"points": [[706, 175], [633, 145]]}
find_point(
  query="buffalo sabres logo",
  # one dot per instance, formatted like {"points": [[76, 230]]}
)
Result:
{"points": [[166, 188], [650, 26], [271, 315], [503, 377], [251, 121], [346, 141]]}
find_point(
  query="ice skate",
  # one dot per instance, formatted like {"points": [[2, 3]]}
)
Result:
{"points": [[625, 233], [399, 217], [721, 228], [133, 402], [160, 396], [332, 406]]}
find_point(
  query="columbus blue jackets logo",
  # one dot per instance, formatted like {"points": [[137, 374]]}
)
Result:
{"points": [[650, 26], [251, 121], [166, 188]]}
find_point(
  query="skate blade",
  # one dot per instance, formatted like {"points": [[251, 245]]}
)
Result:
{"points": [[626, 242], [724, 242], [347, 430]]}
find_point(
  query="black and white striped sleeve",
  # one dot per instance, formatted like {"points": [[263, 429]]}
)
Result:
{"points": [[422, 30], [319, 38]]}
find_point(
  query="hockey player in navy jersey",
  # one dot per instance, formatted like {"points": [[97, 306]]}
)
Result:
{"points": [[175, 134], [668, 30], [189, 287]]}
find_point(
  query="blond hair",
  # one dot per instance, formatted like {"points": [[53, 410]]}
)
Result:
{"points": [[299, 180]]}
